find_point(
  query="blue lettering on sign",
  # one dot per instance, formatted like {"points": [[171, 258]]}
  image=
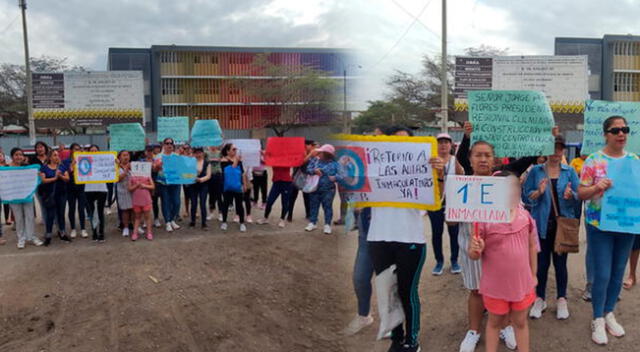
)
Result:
{"points": [[465, 197], [483, 193]]}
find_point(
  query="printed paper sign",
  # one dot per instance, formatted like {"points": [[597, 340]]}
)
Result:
{"points": [[179, 170], [621, 203], [388, 171], [249, 150], [285, 151], [596, 111], [176, 128], [477, 199], [206, 133], [141, 168], [126, 136], [96, 167], [18, 184], [517, 123]]}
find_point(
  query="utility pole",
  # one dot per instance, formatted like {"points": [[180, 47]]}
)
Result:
{"points": [[32, 127], [444, 106], [345, 116]]}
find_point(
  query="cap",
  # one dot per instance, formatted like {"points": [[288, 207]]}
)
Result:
{"points": [[327, 148], [444, 136]]}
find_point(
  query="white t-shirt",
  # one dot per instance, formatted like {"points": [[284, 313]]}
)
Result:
{"points": [[95, 187], [396, 225]]}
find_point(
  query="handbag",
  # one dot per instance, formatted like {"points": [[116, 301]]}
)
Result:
{"points": [[299, 179], [567, 231], [311, 184]]}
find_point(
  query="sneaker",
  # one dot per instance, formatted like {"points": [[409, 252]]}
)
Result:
{"points": [[281, 224], [327, 229], [64, 238], [243, 228], [125, 232], [108, 212], [84, 234], [311, 227], [455, 268], [563, 309], [249, 219], [224, 226], [438, 270], [539, 306], [157, 223], [36, 242], [134, 237], [395, 346], [358, 323], [236, 218], [586, 295], [613, 327], [509, 337], [101, 238], [410, 348], [470, 341], [150, 236], [169, 228], [140, 231], [220, 217], [598, 333], [263, 221], [47, 241], [174, 225], [210, 216], [20, 244], [73, 234]]}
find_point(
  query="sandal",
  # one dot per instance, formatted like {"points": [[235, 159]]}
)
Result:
{"points": [[629, 283]]}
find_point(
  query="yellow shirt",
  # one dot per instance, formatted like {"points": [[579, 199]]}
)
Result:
{"points": [[576, 164]]}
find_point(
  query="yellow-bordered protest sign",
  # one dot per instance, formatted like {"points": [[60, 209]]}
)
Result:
{"points": [[388, 171], [95, 167]]}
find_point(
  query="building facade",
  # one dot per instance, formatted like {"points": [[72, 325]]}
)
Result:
{"points": [[614, 64], [202, 82]]}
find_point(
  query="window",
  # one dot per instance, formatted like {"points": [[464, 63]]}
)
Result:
{"points": [[214, 59], [196, 59]]}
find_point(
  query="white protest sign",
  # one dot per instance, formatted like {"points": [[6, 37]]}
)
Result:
{"points": [[478, 199], [141, 168], [388, 171], [97, 167], [249, 150], [18, 184]]}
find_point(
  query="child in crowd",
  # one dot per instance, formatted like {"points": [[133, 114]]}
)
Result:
{"points": [[141, 188], [509, 253]]}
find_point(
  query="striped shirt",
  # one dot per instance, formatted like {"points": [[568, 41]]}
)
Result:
{"points": [[471, 269]]}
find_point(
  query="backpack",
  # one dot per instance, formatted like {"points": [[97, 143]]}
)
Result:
{"points": [[232, 179]]}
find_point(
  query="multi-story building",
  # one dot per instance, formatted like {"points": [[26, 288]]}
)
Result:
{"points": [[614, 64], [202, 82]]}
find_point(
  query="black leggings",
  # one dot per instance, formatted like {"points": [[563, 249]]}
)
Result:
{"points": [[100, 198], [198, 194], [293, 196], [233, 197], [215, 192], [409, 259], [260, 186], [77, 197], [247, 201]]}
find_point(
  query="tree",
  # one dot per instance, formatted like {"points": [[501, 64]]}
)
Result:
{"points": [[415, 99], [302, 94], [13, 83]]}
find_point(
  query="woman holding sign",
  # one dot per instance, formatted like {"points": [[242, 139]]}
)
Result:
{"points": [[551, 191], [234, 184], [96, 200], [324, 166], [77, 198], [200, 188], [609, 250], [169, 194], [23, 212], [53, 193]]}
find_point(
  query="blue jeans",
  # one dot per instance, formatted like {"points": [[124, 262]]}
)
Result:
{"points": [[363, 267], [170, 199], [324, 198], [279, 188], [437, 229], [610, 253]]}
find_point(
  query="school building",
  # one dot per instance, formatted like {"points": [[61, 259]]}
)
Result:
{"points": [[201, 81], [614, 64]]}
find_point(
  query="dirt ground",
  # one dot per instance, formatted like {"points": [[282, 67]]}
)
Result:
{"points": [[269, 289]]}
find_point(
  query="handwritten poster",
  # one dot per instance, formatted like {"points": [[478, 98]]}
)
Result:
{"points": [[173, 127], [596, 111], [285, 151], [249, 150], [18, 184], [477, 199], [620, 210], [517, 122], [126, 136], [388, 171], [141, 168], [206, 133], [96, 167], [179, 170]]}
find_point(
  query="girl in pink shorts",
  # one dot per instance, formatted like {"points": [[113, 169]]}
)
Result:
{"points": [[509, 263], [141, 188]]}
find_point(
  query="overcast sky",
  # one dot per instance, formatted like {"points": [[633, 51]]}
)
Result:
{"points": [[385, 32]]}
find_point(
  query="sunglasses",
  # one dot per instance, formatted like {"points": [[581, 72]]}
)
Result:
{"points": [[234, 149], [617, 130], [168, 143]]}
